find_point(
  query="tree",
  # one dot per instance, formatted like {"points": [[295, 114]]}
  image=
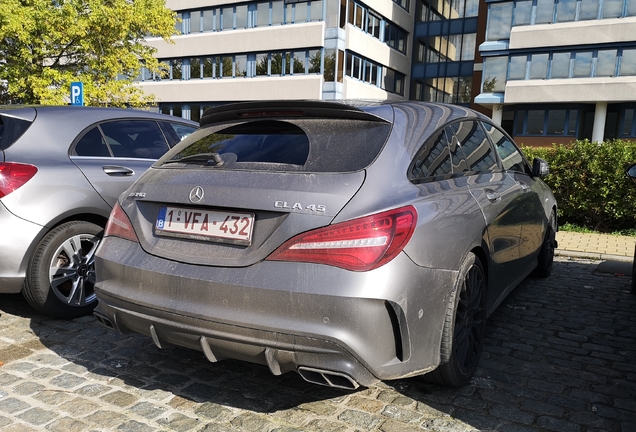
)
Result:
{"points": [[47, 44]]}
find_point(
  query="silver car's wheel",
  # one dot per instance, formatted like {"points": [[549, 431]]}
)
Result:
{"points": [[464, 328], [61, 274]]}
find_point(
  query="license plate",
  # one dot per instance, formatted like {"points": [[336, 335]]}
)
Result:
{"points": [[226, 227]]}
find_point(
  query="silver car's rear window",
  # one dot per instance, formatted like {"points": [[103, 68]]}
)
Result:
{"points": [[11, 129], [305, 145]]}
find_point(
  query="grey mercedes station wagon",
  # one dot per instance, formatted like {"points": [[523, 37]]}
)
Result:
{"points": [[347, 243]]}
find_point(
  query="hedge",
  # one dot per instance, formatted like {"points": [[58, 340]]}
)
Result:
{"points": [[589, 182]]}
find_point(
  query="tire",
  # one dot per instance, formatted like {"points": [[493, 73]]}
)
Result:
{"points": [[61, 274], [464, 327], [546, 253]]}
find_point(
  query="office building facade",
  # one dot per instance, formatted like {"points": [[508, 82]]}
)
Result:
{"points": [[282, 49], [546, 70], [556, 71]]}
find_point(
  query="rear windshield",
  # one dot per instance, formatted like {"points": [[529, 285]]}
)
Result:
{"points": [[306, 145], [10, 130]]}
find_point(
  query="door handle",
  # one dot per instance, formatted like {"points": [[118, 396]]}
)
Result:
{"points": [[113, 170]]}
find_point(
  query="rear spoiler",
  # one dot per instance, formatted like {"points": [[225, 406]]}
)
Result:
{"points": [[285, 109]]}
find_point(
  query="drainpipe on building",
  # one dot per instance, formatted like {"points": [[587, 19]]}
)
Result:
{"points": [[599, 122], [497, 114]]}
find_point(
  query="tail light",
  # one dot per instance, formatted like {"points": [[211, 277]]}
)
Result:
{"points": [[119, 225], [14, 175], [359, 245]]}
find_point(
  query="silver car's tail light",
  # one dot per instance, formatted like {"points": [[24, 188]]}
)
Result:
{"points": [[13, 175], [119, 225], [359, 245]]}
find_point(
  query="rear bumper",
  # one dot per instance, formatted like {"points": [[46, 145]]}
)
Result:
{"points": [[18, 238], [366, 326]]}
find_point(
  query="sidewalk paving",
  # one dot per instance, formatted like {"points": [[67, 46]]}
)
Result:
{"points": [[595, 246]]}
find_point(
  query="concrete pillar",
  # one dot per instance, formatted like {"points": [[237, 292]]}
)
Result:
{"points": [[497, 114], [600, 115]]}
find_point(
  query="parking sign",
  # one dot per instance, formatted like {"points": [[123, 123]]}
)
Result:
{"points": [[77, 93]]}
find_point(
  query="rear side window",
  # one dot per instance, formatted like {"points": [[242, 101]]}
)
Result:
{"points": [[92, 144], [475, 145], [433, 159], [175, 132], [306, 145], [10, 130]]}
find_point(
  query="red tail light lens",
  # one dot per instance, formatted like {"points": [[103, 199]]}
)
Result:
{"points": [[359, 245], [119, 225], [14, 175]]}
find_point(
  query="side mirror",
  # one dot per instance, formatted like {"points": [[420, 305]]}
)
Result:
{"points": [[540, 168], [631, 172]]}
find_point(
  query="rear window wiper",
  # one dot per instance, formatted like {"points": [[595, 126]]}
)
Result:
{"points": [[212, 159]]}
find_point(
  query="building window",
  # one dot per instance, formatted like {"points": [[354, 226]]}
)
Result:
{"points": [[436, 11], [539, 66], [517, 67], [628, 126], [566, 10], [558, 65], [499, 21], [550, 11], [541, 122], [373, 73], [628, 62], [370, 22], [494, 74], [446, 48], [260, 14], [404, 4]]}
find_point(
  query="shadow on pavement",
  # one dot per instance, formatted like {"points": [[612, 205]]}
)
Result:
{"points": [[560, 354]]}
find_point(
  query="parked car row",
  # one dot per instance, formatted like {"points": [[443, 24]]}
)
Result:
{"points": [[347, 243]]}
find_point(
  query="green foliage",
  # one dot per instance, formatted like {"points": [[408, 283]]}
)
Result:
{"points": [[589, 182], [47, 44]]}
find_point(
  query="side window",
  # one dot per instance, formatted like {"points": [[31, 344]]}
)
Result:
{"points": [[510, 156], [92, 144], [135, 139], [182, 130], [475, 145], [433, 159]]}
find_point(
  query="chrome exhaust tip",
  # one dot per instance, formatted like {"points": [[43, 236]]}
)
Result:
{"points": [[104, 320], [327, 378]]}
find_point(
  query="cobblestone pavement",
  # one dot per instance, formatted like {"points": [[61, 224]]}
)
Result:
{"points": [[560, 355]]}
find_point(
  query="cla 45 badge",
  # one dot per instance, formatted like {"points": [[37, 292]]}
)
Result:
{"points": [[319, 208]]}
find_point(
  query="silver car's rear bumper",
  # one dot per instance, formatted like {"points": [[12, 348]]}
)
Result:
{"points": [[344, 328], [17, 240]]}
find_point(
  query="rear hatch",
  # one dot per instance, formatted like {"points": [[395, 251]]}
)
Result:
{"points": [[252, 178]]}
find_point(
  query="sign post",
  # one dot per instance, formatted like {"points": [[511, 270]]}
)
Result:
{"points": [[77, 94]]}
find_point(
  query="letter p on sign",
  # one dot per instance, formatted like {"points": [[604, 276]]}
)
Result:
{"points": [[77, 93]]}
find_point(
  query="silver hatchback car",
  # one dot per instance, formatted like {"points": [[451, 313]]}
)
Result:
{"points": [[347, 243], [61, 171]]}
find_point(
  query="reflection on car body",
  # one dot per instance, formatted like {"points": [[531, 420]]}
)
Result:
{"points": [[431, 216]]}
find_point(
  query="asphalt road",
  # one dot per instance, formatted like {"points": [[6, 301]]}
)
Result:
{"points": [[560, 355]]}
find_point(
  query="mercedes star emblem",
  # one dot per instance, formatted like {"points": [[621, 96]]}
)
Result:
{"points": [[196, 194]]}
